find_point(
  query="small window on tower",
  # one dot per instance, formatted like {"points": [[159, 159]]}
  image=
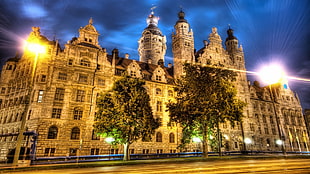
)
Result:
{"points": [[90, 40]]}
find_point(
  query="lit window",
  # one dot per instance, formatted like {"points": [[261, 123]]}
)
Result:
{"points": [[40, 96]]}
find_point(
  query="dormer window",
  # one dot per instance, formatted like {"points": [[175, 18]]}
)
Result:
{"points": [[158, 78], [133, 74]]}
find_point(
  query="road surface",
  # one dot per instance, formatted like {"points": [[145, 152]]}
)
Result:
{"points": [[291, 166]]}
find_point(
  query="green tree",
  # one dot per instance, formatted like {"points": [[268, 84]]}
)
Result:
{"points": [[205, 97], [125, 114]]}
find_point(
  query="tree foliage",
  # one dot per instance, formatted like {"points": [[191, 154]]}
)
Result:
{"points": [[205, 97], [125, 114]]}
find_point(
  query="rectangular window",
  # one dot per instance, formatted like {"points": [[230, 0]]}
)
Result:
{"points": [[133, 73], [273, 131], [49, 151], [40, 96], [2, 90], [252, 127], [159, 106], [83, 78], [72, 151], [43, 78], [56, 113], [266, 130], [94, 151], [95, 136], [77, 114], [101, 82], [70, 62], [59, 94], [80, 96], [114, 151], [62, 76], [159, 151], [145, 151], [158, 78]]}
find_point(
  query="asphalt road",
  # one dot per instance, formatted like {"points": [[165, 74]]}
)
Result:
{"points": [[291, 166]]}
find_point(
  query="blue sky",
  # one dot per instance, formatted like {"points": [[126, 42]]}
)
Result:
{"points": [[269, 30]]}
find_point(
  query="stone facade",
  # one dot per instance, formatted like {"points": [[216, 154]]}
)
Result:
{"points": [[65, 83]]}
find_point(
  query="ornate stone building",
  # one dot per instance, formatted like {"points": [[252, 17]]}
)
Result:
{"points": [[55, 92]]}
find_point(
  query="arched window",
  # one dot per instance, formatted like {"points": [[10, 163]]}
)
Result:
{"points": [[159, 137], [171, 138], [77, 113], [52, 132], [75, 133]]}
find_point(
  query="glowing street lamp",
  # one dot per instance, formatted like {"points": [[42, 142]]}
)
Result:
{"points": [[247, 141], [274, 74], [36, 48], [279, 142]]}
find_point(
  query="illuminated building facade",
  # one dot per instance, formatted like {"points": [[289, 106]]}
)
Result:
{"points": [[66, 83]]}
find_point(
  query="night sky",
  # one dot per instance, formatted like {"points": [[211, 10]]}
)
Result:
{"points": [[269, 30]]}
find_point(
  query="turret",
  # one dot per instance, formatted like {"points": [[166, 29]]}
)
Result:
{"points": [[182, 44], [152, 44], [89, 34], [231, 41]]}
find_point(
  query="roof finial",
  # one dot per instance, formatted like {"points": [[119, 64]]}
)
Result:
{"points": [[90, 21], [152, 9]]}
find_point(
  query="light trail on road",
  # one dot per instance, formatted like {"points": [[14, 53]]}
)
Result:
{"points": [[291, 166]]}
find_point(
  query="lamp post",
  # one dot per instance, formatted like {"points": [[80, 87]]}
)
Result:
{"points": [[248, 142], [272, 74], [36, 48], [109, 140]]}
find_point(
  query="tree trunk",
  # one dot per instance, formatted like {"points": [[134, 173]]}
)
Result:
{"points": [[205, 142], [219, 139], [126, 152]]}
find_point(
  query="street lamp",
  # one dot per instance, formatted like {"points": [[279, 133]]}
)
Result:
{"points": [[273, 74], [37, 48], [109, 140]]}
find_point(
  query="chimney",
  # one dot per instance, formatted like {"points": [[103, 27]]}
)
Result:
{"points": [[126, 56]]}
